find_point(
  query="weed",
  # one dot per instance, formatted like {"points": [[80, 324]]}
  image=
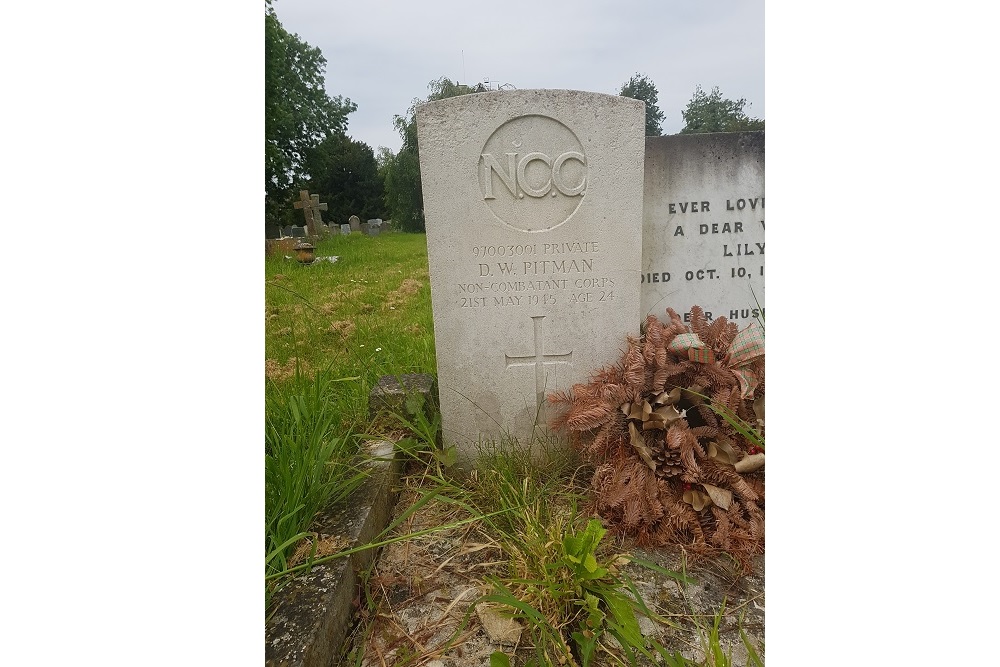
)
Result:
{"points": [[556, 583]]}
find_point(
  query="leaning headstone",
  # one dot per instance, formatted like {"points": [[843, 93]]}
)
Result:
{"points": [[345, 229], [298, 232], [310, 209], [703, 225], [533, 212], [355, 223]]}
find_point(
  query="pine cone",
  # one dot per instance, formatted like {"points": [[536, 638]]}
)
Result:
{"points": [[668, 462]]}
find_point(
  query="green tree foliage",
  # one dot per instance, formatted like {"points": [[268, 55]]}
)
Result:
{"points": [[710, 112], [401, 171], [344, 174], [640, 87], [298, 112]]}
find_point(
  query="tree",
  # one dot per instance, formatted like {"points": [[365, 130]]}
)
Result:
{"points": [[343, 172], [639, 87], [710, 112], [298, 112], [401, 171]]}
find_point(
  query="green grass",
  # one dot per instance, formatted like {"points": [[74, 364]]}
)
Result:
{"points": [[367, 315], [331, 330], [308, 461]]}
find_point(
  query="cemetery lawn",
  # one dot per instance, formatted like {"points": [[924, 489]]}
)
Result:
{"points": [[331, 330], [515, 535]]}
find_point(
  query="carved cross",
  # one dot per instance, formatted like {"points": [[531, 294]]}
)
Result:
{"points": [[310, 209], [539, 360]]}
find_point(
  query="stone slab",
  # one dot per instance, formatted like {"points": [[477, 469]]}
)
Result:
{"points": [[391, 391], [703, 225], [533, 209], [312, 614], [345, 229]]}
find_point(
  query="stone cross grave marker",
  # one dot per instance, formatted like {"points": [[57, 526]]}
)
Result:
{"points": [[703, 225], [355, 222], [533, 210], [311, 210]]}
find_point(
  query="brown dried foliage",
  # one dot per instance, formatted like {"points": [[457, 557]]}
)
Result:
{"points": [[649, 504]]}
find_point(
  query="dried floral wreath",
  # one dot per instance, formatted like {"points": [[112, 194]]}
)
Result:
{"points": [[675, 434]]}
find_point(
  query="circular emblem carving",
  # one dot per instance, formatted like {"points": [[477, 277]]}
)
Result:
{"points": [[533, 173]]}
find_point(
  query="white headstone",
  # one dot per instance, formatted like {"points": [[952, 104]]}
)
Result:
{"points": [[533, 212], [345, 229], [703, 225]]}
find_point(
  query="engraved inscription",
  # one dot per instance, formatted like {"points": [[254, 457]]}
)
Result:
{"points": [[539, 360], [537, 156], [542, 279], [736, 243]]}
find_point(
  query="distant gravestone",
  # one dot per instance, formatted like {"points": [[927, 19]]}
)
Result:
{"points": [[298, 232], [373, 227], [703, 225], [533, 210], [311, 210], [345, 229], [286, 231], [355, 223]]}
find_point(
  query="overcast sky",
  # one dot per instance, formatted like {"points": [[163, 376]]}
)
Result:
{"points": [[382, 53]]}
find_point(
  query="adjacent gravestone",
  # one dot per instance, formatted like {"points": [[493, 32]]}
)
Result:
{"points": [[310, 209], [533, 209], [355, 222], [286, 231], [345, 229], [373, 227], [298, 233], [703, 225]]}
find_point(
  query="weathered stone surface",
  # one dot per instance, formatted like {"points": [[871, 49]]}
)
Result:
{"points": [[391, 392], [345, 229], [533, 210], [355, 223], [703, 225]]}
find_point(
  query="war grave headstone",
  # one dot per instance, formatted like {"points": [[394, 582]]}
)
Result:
{"points": [[355, 223], [533, 210], [703, 225], [311, 210], [345, 229]]}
